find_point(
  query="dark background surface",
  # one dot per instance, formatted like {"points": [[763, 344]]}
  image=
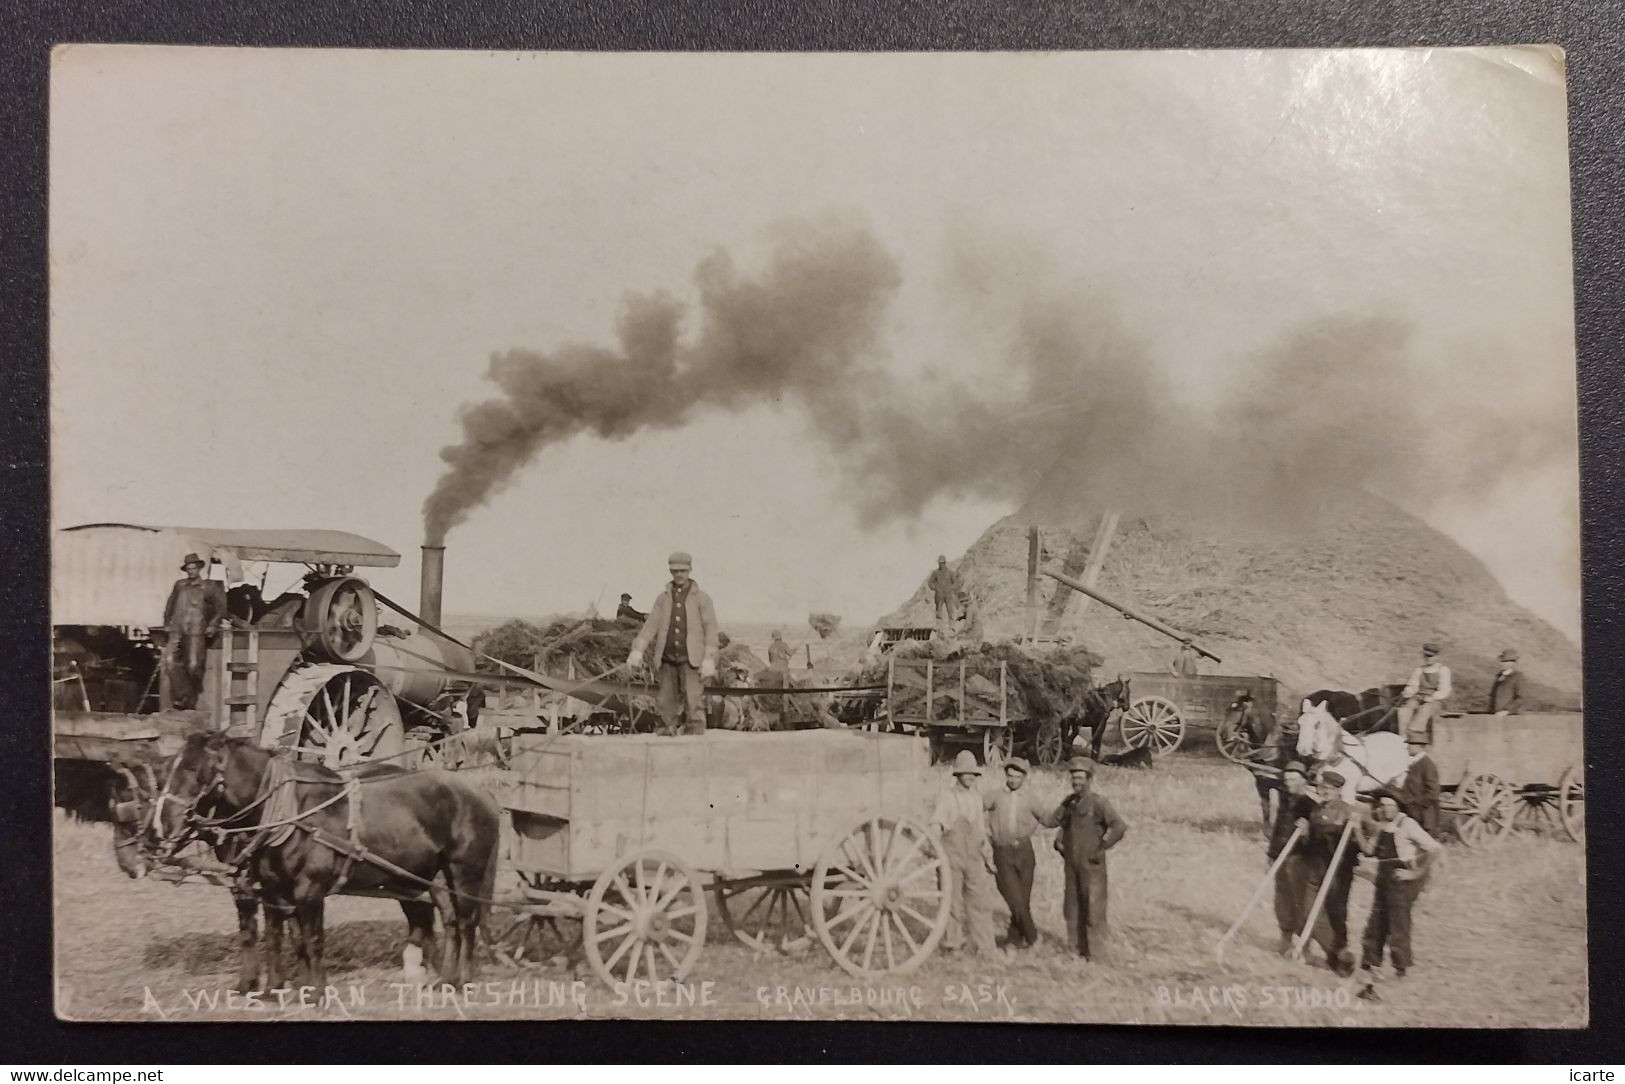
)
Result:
{"points": [[1593, 34]]}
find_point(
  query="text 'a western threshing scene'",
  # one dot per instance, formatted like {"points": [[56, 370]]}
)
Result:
{"points": [[1072, 538]]}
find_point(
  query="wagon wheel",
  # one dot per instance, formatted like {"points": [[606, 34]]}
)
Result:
{"points": [[1153, 722], [880, 897], [1049, 746], [530, 936], [340, 619], [334, 715], [997, 742], [1571, 798], [644, 917], [1236, 743], [766, 918], [1535, 807], [1484, 810]]}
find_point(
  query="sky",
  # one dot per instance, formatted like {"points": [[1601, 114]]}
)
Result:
{"points": [[278, 276]]}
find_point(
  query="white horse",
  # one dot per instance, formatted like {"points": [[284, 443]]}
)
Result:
{"points": [[1366, 762]]}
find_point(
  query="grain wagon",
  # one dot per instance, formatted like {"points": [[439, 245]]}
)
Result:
{"points": [[1500, 772], [794, 835], [960, 703], [1162, 706]]}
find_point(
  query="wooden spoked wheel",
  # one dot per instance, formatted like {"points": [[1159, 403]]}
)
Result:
{"points": [[1571, 799], [1236, 743], [997, 743], [1534, 807], [645, 919], [335, 716], [767, 918], [1049, 747], [530, 936], [880, 897], [340, 619], [1153, 722], [1484, 810]]}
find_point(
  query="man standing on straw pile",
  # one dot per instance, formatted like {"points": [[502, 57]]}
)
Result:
{"points": [[961, 817], [944, 585], [1089, 828], [683, 628], [1293, 811], [1325, 865]]}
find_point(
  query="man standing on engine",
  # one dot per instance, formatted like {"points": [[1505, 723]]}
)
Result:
{"points": [[195, 607], [683, 628]]}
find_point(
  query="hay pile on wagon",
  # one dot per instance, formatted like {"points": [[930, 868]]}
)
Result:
{"points": [[1040, 683]]}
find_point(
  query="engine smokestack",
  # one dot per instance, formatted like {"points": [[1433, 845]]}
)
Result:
{"points": [[431, 583]]}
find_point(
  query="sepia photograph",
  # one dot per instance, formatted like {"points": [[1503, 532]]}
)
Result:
{"points": [[1064, 537]]}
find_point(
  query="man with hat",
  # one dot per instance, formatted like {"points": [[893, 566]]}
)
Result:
{"points": [[1089, 828], [1016, 814], [1425, 693], [1326, 829], [1186, 664], [1292, 812], [625, 611], [683, 628], [944, 586], [1419, 793], [1506, 695], [961, 818], [1403, 852], [195, 607]]}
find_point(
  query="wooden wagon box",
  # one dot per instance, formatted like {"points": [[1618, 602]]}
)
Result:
{"points": [[723, 802], [1519, 749], [1204, 699]]}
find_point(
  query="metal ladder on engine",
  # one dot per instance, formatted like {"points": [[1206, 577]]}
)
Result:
{"points": [[239, 680]]}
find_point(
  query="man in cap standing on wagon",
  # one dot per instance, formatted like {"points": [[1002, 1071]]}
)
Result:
{"points": [[1089, 828], [1425, 693], [961, 817], [195, 607], [683, 628], [944, 584]]}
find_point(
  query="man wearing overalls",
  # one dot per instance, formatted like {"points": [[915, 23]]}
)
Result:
{"points": [[1425, 693]]}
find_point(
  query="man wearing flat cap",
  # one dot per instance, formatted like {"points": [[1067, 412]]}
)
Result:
{"points": [[1089, 828], [944, 584], [1325, 862], [682, 625], [1292, 814], [1419, 793], [1425, 693], [1506, 695], [1016, 813], [626, 611], [960, 816], [194, 610]]}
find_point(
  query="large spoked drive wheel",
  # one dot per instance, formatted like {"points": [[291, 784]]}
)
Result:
{"points": [[767, 918], [1571, 802], [645, 919], [335, 716], [1486, 808], [880, 898], [340, 619], [1154, 723]]}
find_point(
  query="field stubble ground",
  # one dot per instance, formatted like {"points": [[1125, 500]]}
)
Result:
{"points": [[1500, 942]]}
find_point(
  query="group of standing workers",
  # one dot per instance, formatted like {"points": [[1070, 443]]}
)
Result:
{"points": [[988, 835]]}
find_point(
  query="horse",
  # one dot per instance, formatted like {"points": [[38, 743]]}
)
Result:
{"points": [[304, 836], [1367, 762], [1269, 746], [1098, 705]]}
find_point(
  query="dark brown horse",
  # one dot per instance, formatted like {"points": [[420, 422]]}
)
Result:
{"points": [[300, 832], [131, 808], [1099, 705]]}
